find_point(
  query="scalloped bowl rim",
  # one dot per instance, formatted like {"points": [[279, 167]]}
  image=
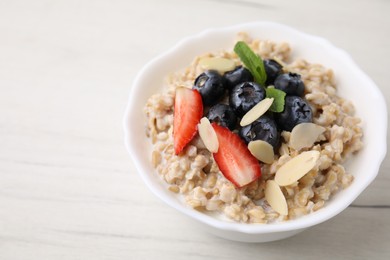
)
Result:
{"points": [[332, 208]]}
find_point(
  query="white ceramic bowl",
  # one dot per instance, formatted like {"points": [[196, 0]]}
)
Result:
{"points": [[353, 84]]}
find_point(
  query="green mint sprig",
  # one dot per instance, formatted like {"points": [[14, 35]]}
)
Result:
{"points": [[255, 65], [278, 95], [252, 62]]}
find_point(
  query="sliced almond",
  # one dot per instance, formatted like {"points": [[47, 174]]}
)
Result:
{"points": [[296, 168], [304, 135], [256, 111], [275, 197], [262, 150], [217, 63], [208, 135]]}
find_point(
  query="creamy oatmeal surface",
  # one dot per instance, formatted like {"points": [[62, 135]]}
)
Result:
{"points": [[196, 176]]}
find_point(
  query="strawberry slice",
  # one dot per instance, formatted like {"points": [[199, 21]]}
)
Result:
{"points": [[186, 115], [234, 159]]}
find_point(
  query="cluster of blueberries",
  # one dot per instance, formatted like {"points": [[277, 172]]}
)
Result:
{"points": [[230, 96]]}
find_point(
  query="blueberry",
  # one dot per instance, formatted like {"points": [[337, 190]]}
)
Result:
{"points": [[210, 85], [290, 83], [237, 76], [296, 111], [223, 115], [245, 96], [272, 69], [264, 128]]}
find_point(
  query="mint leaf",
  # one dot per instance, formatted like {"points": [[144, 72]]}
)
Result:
{"points": [[278, 95], [252, 62]]}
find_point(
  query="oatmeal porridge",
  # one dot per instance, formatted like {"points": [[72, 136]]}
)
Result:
{"points": [[295, 166]]}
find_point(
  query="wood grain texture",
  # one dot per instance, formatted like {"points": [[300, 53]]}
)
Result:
{"points": [[68, 189]]}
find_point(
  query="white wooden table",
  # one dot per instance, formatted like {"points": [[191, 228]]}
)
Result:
{"points": [[68, 189]]}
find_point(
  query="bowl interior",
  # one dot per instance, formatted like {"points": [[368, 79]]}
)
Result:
{"points": [[352, 84]]}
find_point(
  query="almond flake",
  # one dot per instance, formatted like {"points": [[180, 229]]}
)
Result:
{"points": [[217, 63], [275, 197], [296, 168], [262, 150], [304, 135], [208, 135], [257, 111]]}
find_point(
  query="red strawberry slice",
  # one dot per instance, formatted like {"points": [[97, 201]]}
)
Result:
{"points": [[186, 115], [234, 159]]}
